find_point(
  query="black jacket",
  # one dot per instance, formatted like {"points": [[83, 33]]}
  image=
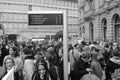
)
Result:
{"points": [[80, 69], [60, 69], [111, 66], [36, 76]]}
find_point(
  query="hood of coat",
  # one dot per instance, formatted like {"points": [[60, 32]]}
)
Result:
{"points": [[115, 60]]}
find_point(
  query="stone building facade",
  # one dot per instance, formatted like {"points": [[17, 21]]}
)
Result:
{"points": [[99, 20], [14, 17]]}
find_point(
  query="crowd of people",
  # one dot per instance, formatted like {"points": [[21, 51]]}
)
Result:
{"points": [[38, 61]]}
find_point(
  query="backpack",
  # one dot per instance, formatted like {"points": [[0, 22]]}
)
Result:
{"points": [[89, 77]]}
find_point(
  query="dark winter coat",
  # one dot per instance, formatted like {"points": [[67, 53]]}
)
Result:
{"points": [[80, 69], [111, 66]]}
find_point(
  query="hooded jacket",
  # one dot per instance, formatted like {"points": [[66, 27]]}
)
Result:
{"points": [[111, 66]]}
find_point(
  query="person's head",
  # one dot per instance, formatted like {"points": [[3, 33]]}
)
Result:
{"points": [[38, 56], [78, 47], [86, 48], [27, 51], [118, 46], [93, 49], [14, 51], [94, 56], [22, 45], [51, 50], [60, 53], [8, 63], [70, 47], [42, 68], [85, 56]]}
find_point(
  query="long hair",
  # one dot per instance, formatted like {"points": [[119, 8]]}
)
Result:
{"points": [[4, 68], [16, 52], [36, 75]]}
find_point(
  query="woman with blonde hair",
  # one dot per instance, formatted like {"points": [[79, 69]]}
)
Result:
{"points": [[14, 53], [8, 64]]}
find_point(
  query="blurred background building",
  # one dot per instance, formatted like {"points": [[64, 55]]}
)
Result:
{"points": [[14, 17], [99, 20]]}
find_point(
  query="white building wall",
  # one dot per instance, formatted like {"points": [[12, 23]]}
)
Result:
{"points": [[13, 13]]}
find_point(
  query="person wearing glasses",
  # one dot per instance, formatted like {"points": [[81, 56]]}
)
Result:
{"points": [[8, 64]]}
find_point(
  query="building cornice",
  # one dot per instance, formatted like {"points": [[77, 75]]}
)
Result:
{"points": [[35, 4], [110, 5]]}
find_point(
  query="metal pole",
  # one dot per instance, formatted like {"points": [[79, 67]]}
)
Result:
{"points": [[65, 44]]}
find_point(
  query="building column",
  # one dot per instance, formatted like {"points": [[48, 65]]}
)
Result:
{"points": [[97, 27], [87, 32], [110, 29]]}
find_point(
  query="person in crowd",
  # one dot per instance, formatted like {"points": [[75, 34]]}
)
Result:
{"points": [[74, 55], [112, 65], [42, 72], [54, 57], [82, 66], [51, 66], [4, 52], [107, 52], [38, 57], [13, 52], [8, 64], [21, 46], [60, 64], [95, 65], [29, 65], [118, 46], [70, 47], [76, 51], [86, 48]]}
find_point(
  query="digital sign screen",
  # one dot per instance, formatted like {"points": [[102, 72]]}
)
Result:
{"points": [[45, 19]]}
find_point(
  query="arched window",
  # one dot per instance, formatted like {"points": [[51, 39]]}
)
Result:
{"points": [[83, 29], [104, 28], [116, 22], [91, 30]]}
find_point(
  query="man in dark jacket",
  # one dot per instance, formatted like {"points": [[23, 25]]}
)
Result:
{"points": [[113, 65], [81, 67]]}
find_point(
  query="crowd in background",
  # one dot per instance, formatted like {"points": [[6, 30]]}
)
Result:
{"points": [[38, 61]]}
